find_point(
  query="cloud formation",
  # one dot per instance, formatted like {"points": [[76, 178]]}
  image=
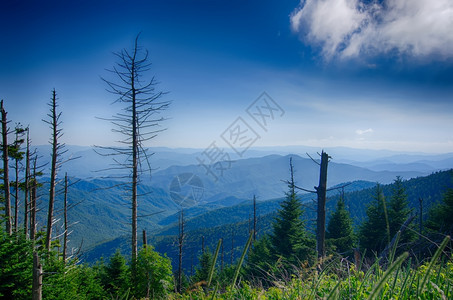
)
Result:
{"points": [[362, 132], [353, 28]]}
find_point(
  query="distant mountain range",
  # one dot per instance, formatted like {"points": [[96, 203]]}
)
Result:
{"points": [[90, 163], [234, 222], [104, 209]]}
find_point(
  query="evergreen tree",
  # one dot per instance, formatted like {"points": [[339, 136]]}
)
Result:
{"points": [[115, 274], [202, 272], [374, 233], [154, 275], [399, 211], [16, 263], [289, 239], [259, 260], [440, 217], [339, 230]]}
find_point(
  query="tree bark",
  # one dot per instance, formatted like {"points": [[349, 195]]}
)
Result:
{"points": [[6, 170], [27, 183], [33, 203], [254, 217], [37, 278], [53, 171], [135, 151], [180, 246], [321, 211], [65, 213]]}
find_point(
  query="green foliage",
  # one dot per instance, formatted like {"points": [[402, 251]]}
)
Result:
{"points": [[373, 234], [340, 234], [115, 275], [384, 219], [398, 209], [289, 239], [204, 266], [16, 263], [259, 260], [338, 279], [441, 216], [154, 278], [72, 281]]}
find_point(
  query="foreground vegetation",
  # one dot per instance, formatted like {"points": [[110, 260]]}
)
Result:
{"points": [[332, 278], [339, 279]]}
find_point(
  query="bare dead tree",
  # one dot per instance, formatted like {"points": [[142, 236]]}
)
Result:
{"points": [[145, 239], [232, 247], [37, 277], [33, 199], [65, 213], [138, 121], [54, 123], [17, 155], [222, 258], [27, 183], [181, 237], [254, 217], [321, 191], [6, 186]]}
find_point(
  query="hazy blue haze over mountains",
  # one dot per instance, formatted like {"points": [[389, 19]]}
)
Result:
{"points": [[104, 213]]}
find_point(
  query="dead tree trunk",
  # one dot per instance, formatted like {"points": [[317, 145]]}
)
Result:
{"points": [[321, 211], [33, 201], [254, 217], [6, 170], [222, 259], [135, 151], [54, 123], [420, 200], [27, 183], [145, 240], [65, 215], [16, 193], [37, 278], [232, 247], [180, 245]]}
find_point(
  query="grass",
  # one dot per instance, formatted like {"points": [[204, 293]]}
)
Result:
{"points": [[340, 280]]}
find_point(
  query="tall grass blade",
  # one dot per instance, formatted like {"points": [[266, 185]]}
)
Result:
{"points": [[214, 260], [380, 284], [247, 245], [406, 276], [334, 293], [386, 219], [392, 253], [432, 262], [214, 294]]}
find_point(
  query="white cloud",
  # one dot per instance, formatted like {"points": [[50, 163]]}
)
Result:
{"points": [[362, 132], [351, 28]]}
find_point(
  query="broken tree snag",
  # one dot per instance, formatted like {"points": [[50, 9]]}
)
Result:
{"points": [[37, 278], [6, 171], [321, 210]]}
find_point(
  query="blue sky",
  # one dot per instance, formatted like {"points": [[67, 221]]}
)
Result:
{"points": [[362, 74]]}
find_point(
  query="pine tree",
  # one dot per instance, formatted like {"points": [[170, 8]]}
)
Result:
{"points": [[374, 233], [289, 239], [115, 273], [340, 233], [440, 217], [259, 260], [399, 211], [202, 272]]}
